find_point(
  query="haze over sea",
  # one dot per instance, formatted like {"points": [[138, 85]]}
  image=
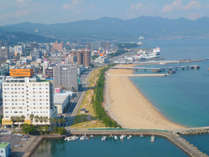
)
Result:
{"points": [[182, 97]]}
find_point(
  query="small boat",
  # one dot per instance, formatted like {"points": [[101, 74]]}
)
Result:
{"points": [[141, 135], [83, 138], [115, 137], [71, 138], [66, 138], [103, 138], [122, 137], [152, 139], [129, 137], [91, 136]]}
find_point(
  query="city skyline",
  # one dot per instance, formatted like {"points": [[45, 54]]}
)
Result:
{"points": [[54, 11]]}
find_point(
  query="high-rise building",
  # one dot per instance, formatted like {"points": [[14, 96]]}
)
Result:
{"points": [[4, 53], [27, 100], [87, 58], [80, 59], [83, 57], [66, 76]]}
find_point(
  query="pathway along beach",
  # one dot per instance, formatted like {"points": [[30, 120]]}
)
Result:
{"points": [[129, 107]]}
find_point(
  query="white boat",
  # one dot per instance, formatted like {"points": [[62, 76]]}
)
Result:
{"points": [[147, 54], [115, 137], [103, 138], [122, 137], [152, 139], [83, 138], [71, 138], [129, 137], [91, 136]]}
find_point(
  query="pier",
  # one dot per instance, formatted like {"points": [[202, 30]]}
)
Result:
{"points": [[164, 69], [172, 136], [137, 75]]}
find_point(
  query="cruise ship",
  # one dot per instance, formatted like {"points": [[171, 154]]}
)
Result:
{"points": [[147, 54]]}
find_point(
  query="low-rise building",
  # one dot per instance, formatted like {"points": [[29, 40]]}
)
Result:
{"points": [[27, 100], [61, 101], [5, 150]]}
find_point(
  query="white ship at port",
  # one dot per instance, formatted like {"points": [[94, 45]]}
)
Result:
{"points": [[147, 54]]}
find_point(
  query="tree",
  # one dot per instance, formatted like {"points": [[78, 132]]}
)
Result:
{"points": [[29, 129], [60, 130], [31, 117], [45, 119], [1, 120], [41, 119], [37, 119]]}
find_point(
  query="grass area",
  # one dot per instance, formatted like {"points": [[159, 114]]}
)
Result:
{"points": [[88, 120], [95, 115], [98, 100]]}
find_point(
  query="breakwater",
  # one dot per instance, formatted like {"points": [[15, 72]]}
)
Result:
{"points": [[34, 145]]}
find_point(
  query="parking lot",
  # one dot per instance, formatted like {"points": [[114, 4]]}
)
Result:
{"points": [[19, 143]]}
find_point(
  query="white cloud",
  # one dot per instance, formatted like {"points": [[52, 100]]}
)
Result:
{"points": [[178, 5], [194, 4], [23, 3], [137, 6], [72, 5]]}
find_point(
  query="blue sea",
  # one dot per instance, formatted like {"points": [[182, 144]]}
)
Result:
{"points": [[135, 147], [181, 97]]}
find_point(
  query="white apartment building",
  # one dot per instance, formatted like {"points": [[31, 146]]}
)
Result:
{"points": [[26, 100]]}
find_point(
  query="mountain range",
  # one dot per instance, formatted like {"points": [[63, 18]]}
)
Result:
{"points": [[117, 29]]}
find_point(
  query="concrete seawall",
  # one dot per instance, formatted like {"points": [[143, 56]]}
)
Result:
{"points": [[31, 149]]}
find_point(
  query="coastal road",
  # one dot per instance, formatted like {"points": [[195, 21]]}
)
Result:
{"points": [[84, 81]]}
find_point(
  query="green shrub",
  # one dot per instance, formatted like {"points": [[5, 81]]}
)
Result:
{"points": [[98, 100]]}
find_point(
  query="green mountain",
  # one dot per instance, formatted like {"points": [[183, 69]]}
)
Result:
{"points": [[117, 29]]}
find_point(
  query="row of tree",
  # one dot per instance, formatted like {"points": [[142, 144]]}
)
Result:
{"points": [[42, 130], [99, 98]]}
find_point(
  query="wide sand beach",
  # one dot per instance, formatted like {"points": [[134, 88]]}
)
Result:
{"points": [[129, 107]]}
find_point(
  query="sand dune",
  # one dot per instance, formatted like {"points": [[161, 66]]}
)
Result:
{"points": [[130, 108]]}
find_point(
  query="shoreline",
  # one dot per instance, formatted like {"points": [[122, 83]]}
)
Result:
{"points": [[140, 113], [36, 142]]}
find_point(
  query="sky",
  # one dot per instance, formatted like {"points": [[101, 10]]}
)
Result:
{"points": [[60, 11]]}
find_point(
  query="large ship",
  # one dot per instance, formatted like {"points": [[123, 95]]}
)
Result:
{"points": [[144, 54]]}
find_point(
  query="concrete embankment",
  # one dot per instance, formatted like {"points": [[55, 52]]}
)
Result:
{"points": [[36, 142]]}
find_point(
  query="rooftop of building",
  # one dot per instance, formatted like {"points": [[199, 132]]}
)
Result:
{"points": [[3, 144], [23, 79]]}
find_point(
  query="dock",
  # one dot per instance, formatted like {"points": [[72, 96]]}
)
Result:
{"points": [[173, 137], [163, 69], [137, 75]]}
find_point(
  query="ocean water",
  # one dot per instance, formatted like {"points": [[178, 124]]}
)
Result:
{"points": [[135, 147], [182, 97], [200, 141]]}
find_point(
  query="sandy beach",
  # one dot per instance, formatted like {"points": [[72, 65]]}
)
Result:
{"points": [[128, 106]]}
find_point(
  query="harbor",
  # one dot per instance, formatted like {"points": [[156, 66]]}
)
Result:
{"points": [[125, 134]]}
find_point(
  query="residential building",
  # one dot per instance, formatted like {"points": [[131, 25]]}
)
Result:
{"points": [[5, 149], [66, 77], [27, 100]]}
